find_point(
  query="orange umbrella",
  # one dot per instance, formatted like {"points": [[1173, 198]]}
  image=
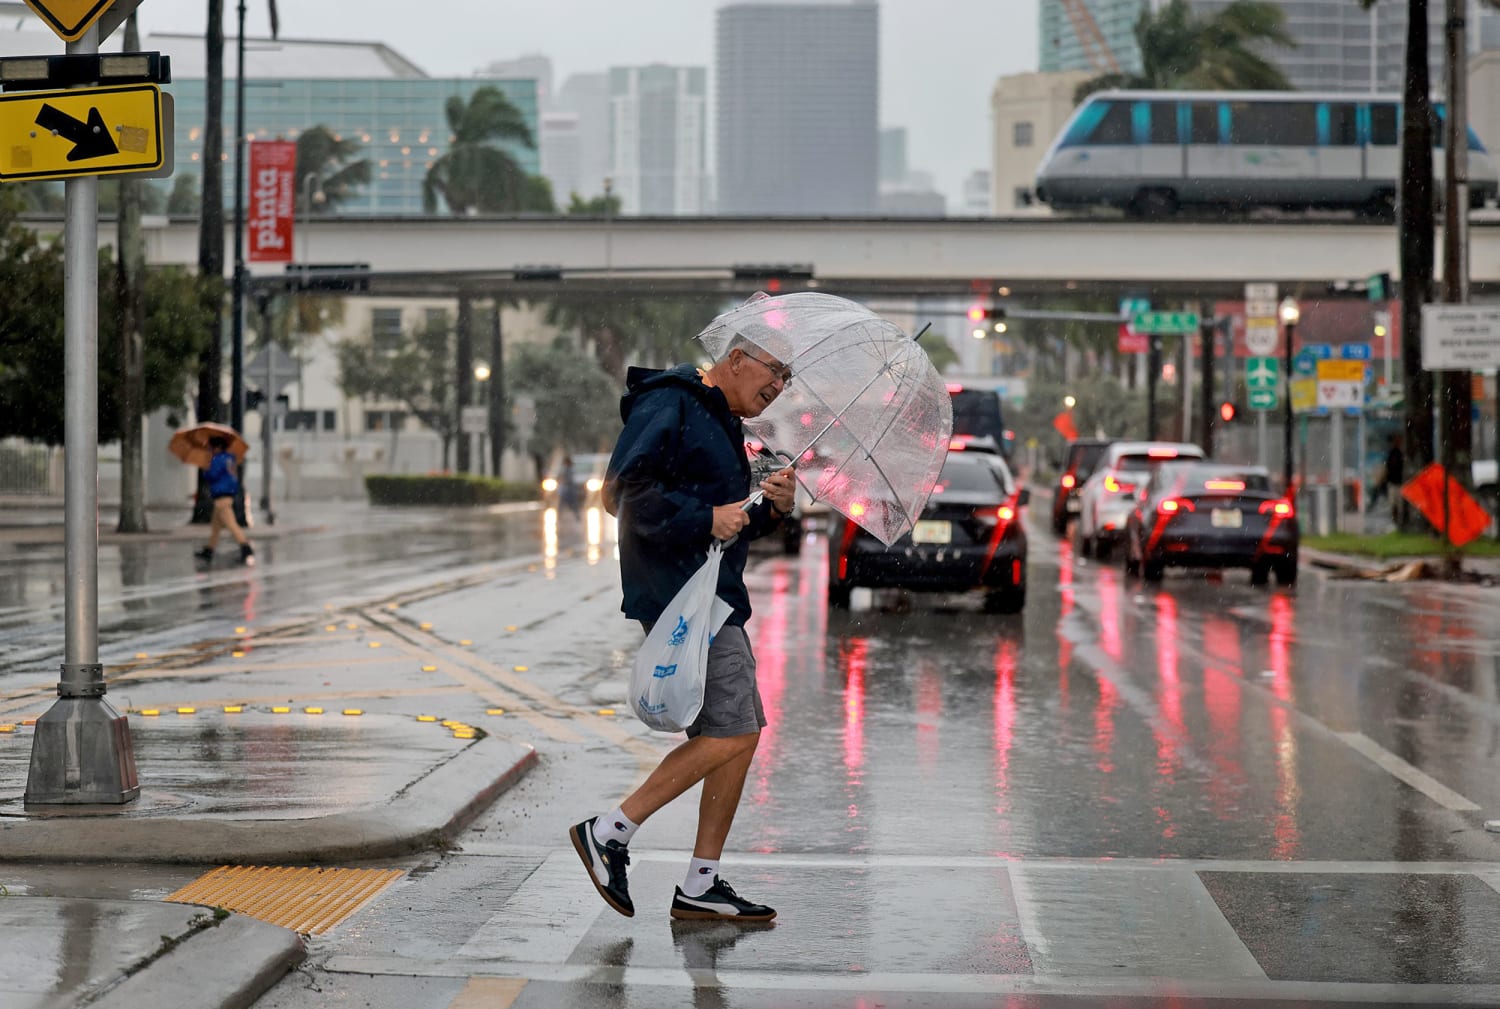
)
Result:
{"points": [[191, 444]]}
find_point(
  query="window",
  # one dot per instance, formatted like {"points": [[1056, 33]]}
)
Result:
{"points": [[1274, 124], [330, 421], [1021, 134], [1163, 122], [436, 320], [1114, 128], [385, 329], [385, 420], [1343, 130], [1204, 124], [301, 420], [1383, 125]]}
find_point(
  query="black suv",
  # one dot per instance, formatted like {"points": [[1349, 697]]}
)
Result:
{"points": [[1083, 456]]}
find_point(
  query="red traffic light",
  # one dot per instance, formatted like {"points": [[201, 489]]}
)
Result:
{"points": [[976, 313], [1228, 411]]}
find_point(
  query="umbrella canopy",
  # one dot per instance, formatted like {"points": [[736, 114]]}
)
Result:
{"points": [[191, 444], [865, 419]]}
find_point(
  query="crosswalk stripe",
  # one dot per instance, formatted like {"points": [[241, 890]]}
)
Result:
{"points": [[1403, 771], [544, 920]]}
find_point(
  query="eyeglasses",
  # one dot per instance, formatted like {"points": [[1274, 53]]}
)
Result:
{"points": [[782, 374]]}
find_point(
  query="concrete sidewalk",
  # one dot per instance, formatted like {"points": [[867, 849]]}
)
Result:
{"points": [[348, 737]]}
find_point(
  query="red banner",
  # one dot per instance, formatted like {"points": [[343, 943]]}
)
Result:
{"points": [[273, 187], [1131, 342]]}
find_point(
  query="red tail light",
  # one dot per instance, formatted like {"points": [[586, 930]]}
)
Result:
{"points": [[1161, 453], [1069, 481], [955, 387], [1116, 487], [1280, 509], [1175, 505], [1006, 513]]}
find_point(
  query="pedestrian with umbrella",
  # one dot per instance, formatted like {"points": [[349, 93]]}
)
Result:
{"points": [[679, 480], [218, 450]]}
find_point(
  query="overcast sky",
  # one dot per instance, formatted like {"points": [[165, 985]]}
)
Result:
{"points": [[938, 58]]}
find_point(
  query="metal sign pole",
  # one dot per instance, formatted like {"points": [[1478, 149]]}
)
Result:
{"points": [[81, 753]]}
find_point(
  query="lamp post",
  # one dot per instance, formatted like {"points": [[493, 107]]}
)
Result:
{"points": [[310, 197], [481, 376], [1290, 313]]}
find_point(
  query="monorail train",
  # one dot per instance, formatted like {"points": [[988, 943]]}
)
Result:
{"points": [[1152, 152]]}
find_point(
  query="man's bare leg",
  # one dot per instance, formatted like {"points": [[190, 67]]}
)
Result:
{"points": [[721, 797], [684, 767]]}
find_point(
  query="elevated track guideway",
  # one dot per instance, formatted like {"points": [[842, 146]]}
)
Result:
{"points": [[906, 256]]}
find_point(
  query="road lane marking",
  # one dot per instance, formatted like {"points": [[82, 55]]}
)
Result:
{"points": [[488, 993], [543, 921], [1401, 770]]}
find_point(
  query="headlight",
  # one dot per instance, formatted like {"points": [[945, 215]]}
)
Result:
{"points": [[594, 484], [549, 485]]}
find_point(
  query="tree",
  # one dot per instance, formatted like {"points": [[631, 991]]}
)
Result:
{"points": [[211, 222], [1219, 51], [332, 161], [597, 206], [183, 200], [577, 404], [654, 331], [417, 374], [477, 175], [939, 350]]}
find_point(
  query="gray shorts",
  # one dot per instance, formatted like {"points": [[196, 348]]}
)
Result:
{"points": [[731, 698]]}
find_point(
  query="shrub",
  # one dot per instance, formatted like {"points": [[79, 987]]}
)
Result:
{"points": [[445, 489]]}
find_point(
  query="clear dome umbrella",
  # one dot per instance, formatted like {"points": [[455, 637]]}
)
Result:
{"points": [[865, 419]]}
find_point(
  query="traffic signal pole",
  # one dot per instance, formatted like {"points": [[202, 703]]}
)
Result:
{"points": [[1209, 333], [81, 752]]}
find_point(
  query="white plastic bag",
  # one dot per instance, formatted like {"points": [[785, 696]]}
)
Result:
{"points": [[667, 680]]}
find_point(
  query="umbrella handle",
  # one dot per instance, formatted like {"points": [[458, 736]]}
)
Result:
{"points": [[750, 502]]}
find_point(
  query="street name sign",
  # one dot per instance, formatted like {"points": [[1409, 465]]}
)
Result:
{"points": [[84, 131], [69, 19], [1165, 323], [1460, 337]]}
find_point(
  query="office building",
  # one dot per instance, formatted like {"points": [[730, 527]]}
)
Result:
{"points": [[587, 97], [1065, 47], [798, 94], [658, 138], [1026, 112]]}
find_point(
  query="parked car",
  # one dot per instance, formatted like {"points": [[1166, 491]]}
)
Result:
{"points": [[1083, 456], [1211, 515], [588, 480], [968, 537], [1109, 494]]}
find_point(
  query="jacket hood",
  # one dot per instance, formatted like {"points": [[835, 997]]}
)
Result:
{"points": [[639, 381]]}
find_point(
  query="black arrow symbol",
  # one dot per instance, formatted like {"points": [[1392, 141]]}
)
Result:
{"points": [[91, 139]]}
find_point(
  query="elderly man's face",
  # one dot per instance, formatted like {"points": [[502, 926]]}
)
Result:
{"points": [[757, 379]]}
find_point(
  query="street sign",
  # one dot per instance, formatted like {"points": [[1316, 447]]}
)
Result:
{"points": [[1260, 339], [1304, 363], [474, 420], [1165, 323], [1261, 292], [1263, 399], [1460, 337], [1304, 394], [69, 19], [1341, 371], [1341, 383], [1262, 373], [1355, 352], [86, 131]]}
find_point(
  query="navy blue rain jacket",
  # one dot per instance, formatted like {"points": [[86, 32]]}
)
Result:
{"points": [[222, 481], [682, 453]]}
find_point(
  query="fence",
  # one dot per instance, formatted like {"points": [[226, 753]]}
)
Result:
{"points": [[31, 470]]}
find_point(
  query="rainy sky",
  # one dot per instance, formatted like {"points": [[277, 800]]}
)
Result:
{"points": [[939, 58]]}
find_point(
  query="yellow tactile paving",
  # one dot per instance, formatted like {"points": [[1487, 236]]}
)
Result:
{"points": [[306, 900], [488, 993]]}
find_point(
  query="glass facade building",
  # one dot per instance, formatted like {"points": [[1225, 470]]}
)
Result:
{"points": [[400, 123]]}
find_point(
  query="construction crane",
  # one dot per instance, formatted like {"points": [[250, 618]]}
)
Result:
{"points": [[1090, 38]]}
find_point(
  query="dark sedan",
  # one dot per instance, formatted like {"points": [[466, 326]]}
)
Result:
{"points": [[1083, 455], [1209, 515], [968, 537]]}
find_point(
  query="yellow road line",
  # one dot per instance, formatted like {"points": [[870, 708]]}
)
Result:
{"points": [[489, 993]]}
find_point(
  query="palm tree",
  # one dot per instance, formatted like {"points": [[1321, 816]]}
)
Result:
{"points": [[329, 159], [477, 175], [1217, 52]]}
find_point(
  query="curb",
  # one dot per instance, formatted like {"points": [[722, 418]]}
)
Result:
{"points": [[229, 966], [424, 814]]}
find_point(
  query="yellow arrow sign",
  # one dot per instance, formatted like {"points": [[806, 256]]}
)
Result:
{"points": [[69, 18], [85, 131]]}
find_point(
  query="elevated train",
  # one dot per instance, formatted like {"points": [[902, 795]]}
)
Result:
{"points": [[1151, 153]]}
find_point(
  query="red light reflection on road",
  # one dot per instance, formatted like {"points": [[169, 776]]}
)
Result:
{"points": [[1104, 725], [854, 657], [1288, 789], [770, 676], [1064, 646], [1223, 695], [1005, 720], [929, 714], [1169, 685], [1109, 613]]}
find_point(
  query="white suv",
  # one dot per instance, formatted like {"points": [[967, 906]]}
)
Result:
{"points": [[1109, 495]]}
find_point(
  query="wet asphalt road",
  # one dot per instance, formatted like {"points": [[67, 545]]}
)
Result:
{"points": [[1126, 795]]}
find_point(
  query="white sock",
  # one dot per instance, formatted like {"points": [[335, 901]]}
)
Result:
{"points": [[614, 826], [700, 876]]}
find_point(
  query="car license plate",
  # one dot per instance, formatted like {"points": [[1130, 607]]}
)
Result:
{"points": [[1227, 518], [932, 531], [1074, 506]]}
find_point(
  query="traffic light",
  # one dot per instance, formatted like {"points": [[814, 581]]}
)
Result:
{"points": [[1228, 411], [772, 277], [1378, 287], [253, 399], [979, 315]]}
